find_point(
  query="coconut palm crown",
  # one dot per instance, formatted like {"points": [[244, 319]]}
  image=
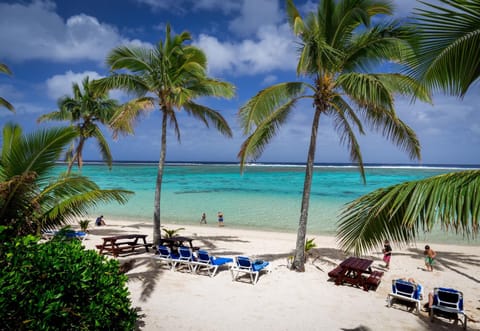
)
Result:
{"points": [[171, 76], [338, 47], [85, 110]]}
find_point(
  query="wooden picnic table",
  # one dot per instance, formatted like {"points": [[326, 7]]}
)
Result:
{"points": [[357, 271], [175, 242], [123, 243]]}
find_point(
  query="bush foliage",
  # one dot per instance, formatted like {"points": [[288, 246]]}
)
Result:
{"points": [[58, 285]]}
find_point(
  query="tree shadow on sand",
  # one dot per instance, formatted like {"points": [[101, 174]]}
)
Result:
{"points": [[452, 261]]}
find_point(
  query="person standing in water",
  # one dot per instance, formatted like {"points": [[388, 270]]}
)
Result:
{"points": [[220, 218], [203, 220]]}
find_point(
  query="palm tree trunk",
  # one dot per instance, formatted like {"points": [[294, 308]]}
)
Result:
{"points": [[299, 261], [77, 156], [158, 188]]}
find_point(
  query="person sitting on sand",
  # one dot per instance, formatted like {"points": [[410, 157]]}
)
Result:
{"points": [[99, 221]]}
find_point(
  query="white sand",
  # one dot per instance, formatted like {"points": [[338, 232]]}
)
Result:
{"points": [[283, 299]]}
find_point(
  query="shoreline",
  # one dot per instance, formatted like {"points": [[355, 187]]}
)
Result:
{"points": [[283, 299]]}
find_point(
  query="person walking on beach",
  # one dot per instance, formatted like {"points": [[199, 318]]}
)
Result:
{"points": [[203, 220], [387, 253], [429, 257], [220, 218], [99, 221]]}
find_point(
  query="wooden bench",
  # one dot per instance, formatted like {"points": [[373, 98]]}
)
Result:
{"points": [[123, 243], [335, 272], [373, 280]]}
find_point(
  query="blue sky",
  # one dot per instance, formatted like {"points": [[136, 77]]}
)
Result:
{"points": [[50, 44]]}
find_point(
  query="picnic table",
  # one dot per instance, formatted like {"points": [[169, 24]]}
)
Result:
{"points": [[358, 272], [175, 242], [123, 243]]}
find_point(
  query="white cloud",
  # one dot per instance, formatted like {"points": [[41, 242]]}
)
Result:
{"points": [[273, 49], [61, 85], [255, 14], [35, 31], [183, 6]]}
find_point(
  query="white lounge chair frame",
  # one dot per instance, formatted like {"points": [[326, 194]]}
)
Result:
{"points": [[167, 259], [207, 265], [448, 307], [236, 269], [404, 296], [186, 260]]}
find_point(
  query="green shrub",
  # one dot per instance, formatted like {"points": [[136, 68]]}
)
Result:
{"points": [[58, 285]]}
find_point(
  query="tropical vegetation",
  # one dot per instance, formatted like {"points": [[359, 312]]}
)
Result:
{"points": [[171, 76], [84, 111], [58, 285], [3, 102], [32, 199], [448, 59], [339, 45]]}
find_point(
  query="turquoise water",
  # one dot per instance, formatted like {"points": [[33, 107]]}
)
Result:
{"points": [[263, 197]]}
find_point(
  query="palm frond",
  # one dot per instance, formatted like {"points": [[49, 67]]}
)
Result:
{"points": [[103, 146], [6, 104], [342, 117], [5, 69], [449, 37], [73, 196], [37, 152], [127, 115], [400, 212], [208, 116], [254, 145], [262, 105]]}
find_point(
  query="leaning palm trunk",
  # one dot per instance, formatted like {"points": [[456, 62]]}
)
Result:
{"points": [[299, 261], [77, 157], [158, 188]]}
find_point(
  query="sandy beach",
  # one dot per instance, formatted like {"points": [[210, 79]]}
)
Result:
{"points": [[283, 299]]}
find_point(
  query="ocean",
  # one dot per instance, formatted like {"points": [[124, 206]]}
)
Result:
{"points": [[265, 196]]}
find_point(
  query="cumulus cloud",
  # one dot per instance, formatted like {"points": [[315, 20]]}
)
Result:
{"points": [[61, 85], [35, 31], [270, 50], [255, 14], [182, 6]]}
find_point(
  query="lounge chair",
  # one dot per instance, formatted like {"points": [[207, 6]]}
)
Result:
{"points": [[405, 291], [186, 258], [245, 265], [448, 303], [166, 255], [210, 263]]}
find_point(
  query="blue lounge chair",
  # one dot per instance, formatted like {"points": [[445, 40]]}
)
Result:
{"points": [[185, 258], [405, 291], [210, 263], [166, 255], [448, 303], [245, 265]]}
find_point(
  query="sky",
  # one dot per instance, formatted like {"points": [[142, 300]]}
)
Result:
{"points": [[48, 45]]}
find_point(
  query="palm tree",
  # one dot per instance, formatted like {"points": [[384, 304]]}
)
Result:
{"points": [[338, 45], [448, 59], [171, 75], [31, 199], [85, 110], [4, 103]]}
